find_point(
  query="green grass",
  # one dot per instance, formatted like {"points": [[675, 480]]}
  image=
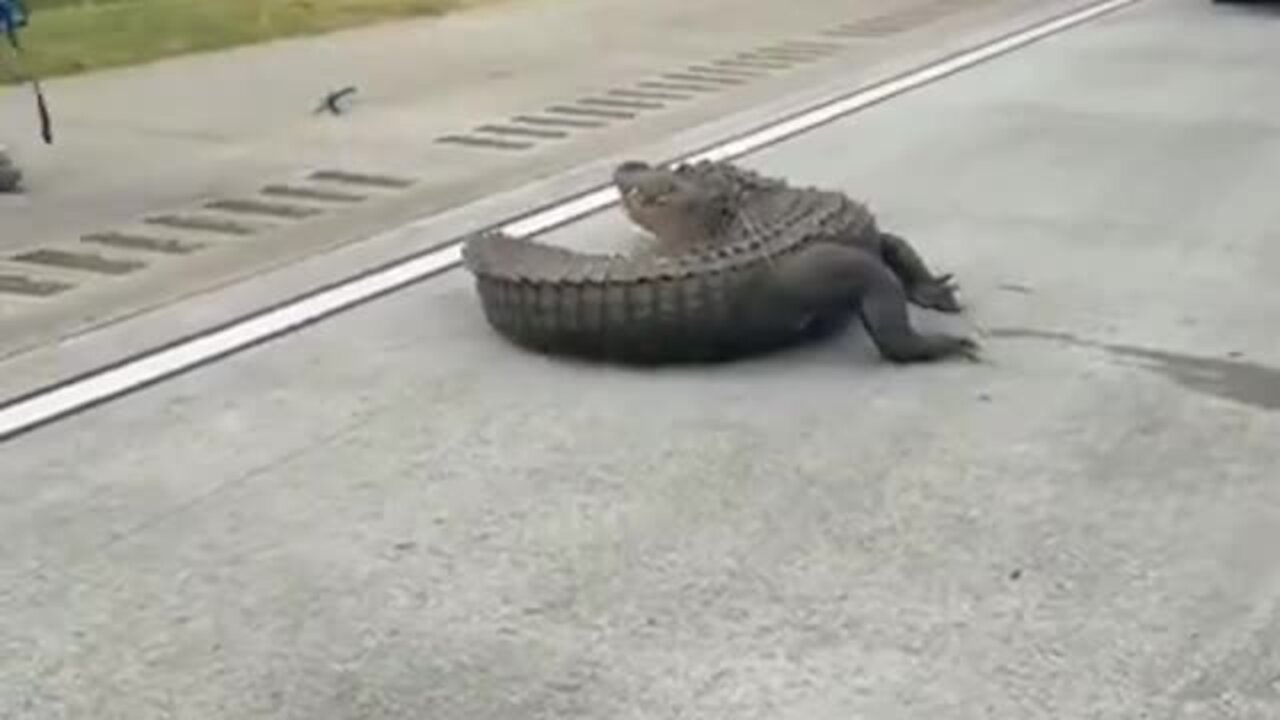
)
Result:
{"points": [[72, 36]]}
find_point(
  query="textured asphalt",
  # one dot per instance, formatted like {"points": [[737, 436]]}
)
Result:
{"points": [[394, 514]]}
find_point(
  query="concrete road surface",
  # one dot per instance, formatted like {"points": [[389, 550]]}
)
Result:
{"points": [[393, 514]]}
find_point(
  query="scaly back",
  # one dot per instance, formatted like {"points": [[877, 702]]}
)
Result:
{"points": [[760, 206], [765, 218]]}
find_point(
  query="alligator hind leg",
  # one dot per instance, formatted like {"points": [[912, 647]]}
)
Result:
{"points": [[827, 277], [828, 323], [922, 286]]}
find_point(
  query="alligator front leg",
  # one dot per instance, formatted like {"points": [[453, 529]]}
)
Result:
{"points": [[828, 276], [922, 286]]}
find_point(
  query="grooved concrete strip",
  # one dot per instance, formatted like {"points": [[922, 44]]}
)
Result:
{"points": [[142, 242], [166, 159]]}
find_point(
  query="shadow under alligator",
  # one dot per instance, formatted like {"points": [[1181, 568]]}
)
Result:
{"points": [[1241, 381]]}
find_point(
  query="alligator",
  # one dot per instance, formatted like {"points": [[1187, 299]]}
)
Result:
{"points": [[742, 264]]}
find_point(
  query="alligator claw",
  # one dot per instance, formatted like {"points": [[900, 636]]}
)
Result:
{"points": [[937, 294], [970, 350]]}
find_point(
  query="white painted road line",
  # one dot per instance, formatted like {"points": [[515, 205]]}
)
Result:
{"points": [[35, 409]]}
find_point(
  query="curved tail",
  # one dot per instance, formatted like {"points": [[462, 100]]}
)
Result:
{"points": [[495, 256], [551, 299]]}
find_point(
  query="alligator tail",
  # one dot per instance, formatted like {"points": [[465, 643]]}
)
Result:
{"points": [[616, 307]]}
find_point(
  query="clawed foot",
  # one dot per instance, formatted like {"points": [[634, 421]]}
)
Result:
{"points": [[968, 349], [931, 347], [936, 294], [954, 346]]}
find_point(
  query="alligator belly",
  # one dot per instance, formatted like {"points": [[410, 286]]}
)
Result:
{"points": [[645, 323]]}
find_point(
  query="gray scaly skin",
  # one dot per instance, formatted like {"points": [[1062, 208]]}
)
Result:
{"points": [[10, 175], [743, 264]]}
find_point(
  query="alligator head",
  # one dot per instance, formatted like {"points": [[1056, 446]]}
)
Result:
{"points": [[678, 208]]}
